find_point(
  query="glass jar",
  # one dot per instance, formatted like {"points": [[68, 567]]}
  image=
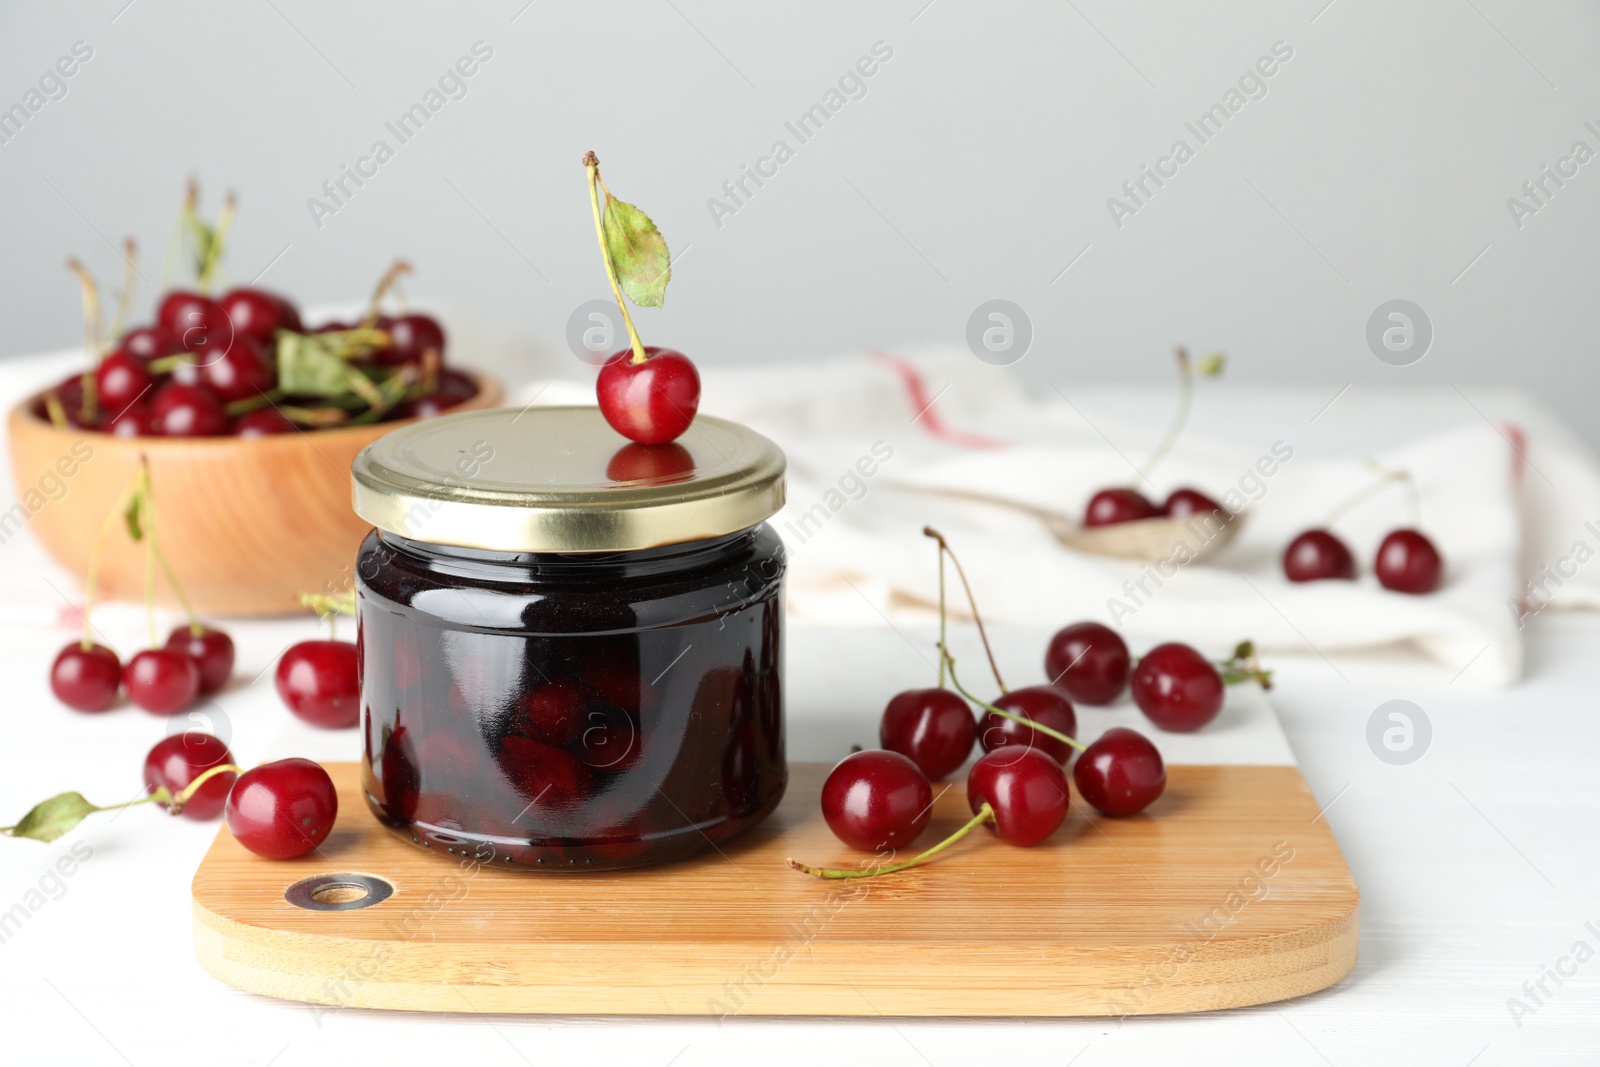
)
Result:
{"points": [[571, 647]]}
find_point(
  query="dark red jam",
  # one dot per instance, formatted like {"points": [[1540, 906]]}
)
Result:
{"points": [[572, 712]]}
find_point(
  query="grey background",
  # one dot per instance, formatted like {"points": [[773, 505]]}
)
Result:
{"points": [[977, 166]]}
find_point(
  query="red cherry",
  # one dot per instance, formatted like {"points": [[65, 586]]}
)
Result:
{"points": [[257, 314], [1043, 704], [1026, 789], [211, 650], [1407, 562], [1089, 662], [876, 800], [1316, 555], [551, 713], [317, 680], [178, 760], [86, 679], [1110, 506], [933, 728], [148, 342], [651, 402], [552, 780], [263, 422], [1121, 773], [132, 421], [162, 681], [282, 810], [1177, 688], [410, 336], [1182, 503], [121, 379], [454, 387], [187, 411], [197, 323], [333, 327], [238, 372], [70, 394]]}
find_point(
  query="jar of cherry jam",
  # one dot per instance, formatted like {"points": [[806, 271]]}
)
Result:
{"points": [[571, 647]]}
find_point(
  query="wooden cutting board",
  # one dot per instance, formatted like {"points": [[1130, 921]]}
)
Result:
{"points": [[1230, 891]]}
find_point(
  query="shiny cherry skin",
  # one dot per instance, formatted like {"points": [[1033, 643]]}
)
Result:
{"points": [[211, 650], [257, 314], [1184, 502], [876, 800], [162, 681], [1407, 562], [410, 336], [283, 809], [1317, 555], [196, 322], [1111, 506], [1121, 773], [1089, 662], [120, 380], [176, 761], [132, 421], [1027, 790], [1177, 688], [317, 680], [454, 387], [179, 410], [148, 342], [933, 728], [651, 402], [1043, 704], [263, 422], [86, 679], [238, 372]]}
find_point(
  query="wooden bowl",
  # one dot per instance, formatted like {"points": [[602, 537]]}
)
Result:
{"points": [[248, 524]]}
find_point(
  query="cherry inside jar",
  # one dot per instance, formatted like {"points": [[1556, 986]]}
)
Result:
{"points": [[571, 710]]}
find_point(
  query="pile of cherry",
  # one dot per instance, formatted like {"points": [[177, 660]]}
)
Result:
{"points": [[881, 800], [316, 679], [1407, 561], [244, 364], [279, 810]]}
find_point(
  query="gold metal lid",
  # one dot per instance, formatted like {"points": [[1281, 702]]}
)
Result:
{"points": [[559, 479]]}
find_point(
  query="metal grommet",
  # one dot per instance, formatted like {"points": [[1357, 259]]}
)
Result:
{"points": [[338, 892]]}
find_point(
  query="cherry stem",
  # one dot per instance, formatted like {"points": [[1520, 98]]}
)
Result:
{"points": [[94, 561], [1384, 480], [130, 253], [985, 815], [972, 601], [943, 618], [591, 163], [175, 804], [1004, 714], [1181, 417], [1244, 666], [385, 283], [153, 545], [211, 255], [91, 334], [160, 796]]}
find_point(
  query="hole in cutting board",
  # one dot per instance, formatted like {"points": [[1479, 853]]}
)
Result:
{"points": [[338, 892]]}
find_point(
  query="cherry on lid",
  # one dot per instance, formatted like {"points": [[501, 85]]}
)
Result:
{"points": [[559, 479]]}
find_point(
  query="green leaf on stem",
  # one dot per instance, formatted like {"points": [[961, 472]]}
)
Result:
{"points": [[638, 252], [51, 818], [133, 517], [1211, 365], [310, 365]]}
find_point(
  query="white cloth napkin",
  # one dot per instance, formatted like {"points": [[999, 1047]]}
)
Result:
{"points": [[860, 429]]}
